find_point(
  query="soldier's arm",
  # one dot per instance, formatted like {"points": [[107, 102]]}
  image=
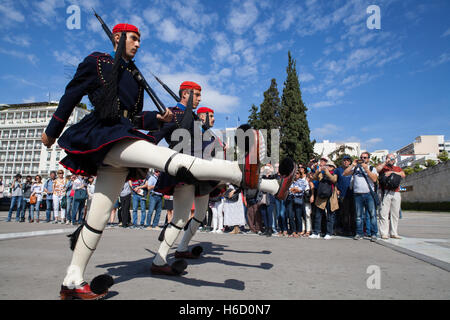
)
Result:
{"points": [[84, 79]]}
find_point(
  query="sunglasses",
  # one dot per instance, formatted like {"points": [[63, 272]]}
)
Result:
{"points": [[364, 157]]}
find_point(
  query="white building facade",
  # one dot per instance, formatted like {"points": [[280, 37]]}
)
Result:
{"points": [[326, 147], [21, 149]]}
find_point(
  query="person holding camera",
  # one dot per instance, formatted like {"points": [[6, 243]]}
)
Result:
{"points": [[390, 178], [326, 201], [346, 216], [364, 177]]}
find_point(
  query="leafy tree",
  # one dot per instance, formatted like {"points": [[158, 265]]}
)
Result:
{"points": [[295, 133], [430, 163], [253, 118], [443, 156], [417, 168], [374, 161], [269, 115], [408, 170]]}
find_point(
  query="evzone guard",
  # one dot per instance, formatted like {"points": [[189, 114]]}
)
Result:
{"points": [[107, 143], [184, 194]]}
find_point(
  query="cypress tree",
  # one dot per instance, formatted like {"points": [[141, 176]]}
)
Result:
{"points": [[253, 118], [270, 111], [295, 133]]}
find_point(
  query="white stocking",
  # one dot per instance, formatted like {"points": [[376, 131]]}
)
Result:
{"points": [[143, 154], [201, 207], [183, 197], [107, 188]]}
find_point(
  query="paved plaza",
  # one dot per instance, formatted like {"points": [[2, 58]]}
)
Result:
{"points": [[34, 258]]}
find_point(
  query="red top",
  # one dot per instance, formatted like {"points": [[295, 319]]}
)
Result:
{"points": [[125, 27], [393, 168], [190, 85], [204, 110]]}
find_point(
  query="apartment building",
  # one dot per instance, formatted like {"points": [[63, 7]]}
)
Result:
{"points": [[21, 149]]}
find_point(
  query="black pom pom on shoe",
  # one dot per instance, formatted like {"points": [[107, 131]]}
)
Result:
{"points": [[197, 251], [101, 283], [179, 266]]}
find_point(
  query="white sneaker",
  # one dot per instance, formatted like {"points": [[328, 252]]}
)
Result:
{"points": [[327, 237], [219, 231], [314, 236]]}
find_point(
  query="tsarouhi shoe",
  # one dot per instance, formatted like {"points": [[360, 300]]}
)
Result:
{"points": [[193, 254], [82, 292]]}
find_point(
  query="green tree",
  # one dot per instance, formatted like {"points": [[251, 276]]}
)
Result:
{"points": [[408, 170], [417, 168], [295, 133], [430, 163], [269, 115], [253, 118], [443, 156]]}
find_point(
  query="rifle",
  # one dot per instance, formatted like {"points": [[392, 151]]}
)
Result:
{"points": [[136, 73], [141, 80]]}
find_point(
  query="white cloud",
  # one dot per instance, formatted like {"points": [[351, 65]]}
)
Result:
{"points": [[322, 104], [262, 31], [9, 13], [19, 40], [167, 31], [446, 33], [305, 77], [242, 17], [21, 55], [211, 95], [334, 93], [325, 131], [443, 58]]}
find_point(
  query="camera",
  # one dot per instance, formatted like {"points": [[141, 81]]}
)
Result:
{"points": [[359, 161]]}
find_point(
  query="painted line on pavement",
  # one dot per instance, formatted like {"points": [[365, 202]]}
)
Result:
{"points": [[16, 235]]}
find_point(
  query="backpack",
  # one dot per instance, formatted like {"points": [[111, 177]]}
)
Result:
{"points": [[392, 182], [325, 188]]}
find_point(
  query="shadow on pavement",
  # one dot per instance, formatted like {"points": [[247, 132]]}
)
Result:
{"points": [[127, 270]]}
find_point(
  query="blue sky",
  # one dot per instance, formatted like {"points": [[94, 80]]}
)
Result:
{"points": [[380, 87]]}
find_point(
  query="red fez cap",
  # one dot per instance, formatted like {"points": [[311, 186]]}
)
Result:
{"points": [[125, 27], [204, 110], [190, 85]]}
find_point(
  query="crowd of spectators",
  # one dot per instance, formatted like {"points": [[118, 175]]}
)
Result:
{"points": [[324, 200], [65, 200]]}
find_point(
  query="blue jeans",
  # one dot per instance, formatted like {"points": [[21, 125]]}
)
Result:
{"points": [[23, 209], [280, 206], [33, 208], [15, 200], [49, 203], [267, 217], [331, 216], [137, 199], [69, 206], [364, 202], [272, 209], [77, 207], [295, 213], [155, 204]]}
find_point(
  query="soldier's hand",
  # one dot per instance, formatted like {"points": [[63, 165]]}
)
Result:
{"points": [[47, 141], [166, 117]]}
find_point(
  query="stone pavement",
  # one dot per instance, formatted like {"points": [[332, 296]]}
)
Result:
{"points": [[34, 258]]}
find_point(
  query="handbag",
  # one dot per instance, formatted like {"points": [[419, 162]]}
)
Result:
{"points": [[298, 200], [80, 194], [33, 199], [63, 202]]}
